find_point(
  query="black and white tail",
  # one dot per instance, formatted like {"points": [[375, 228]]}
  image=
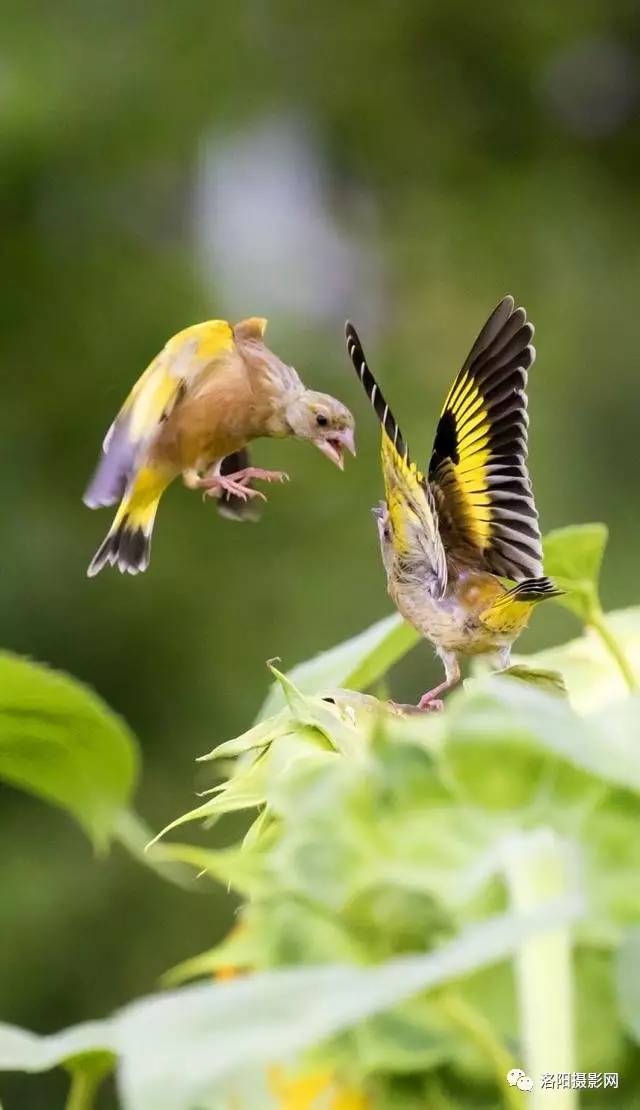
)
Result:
{"points": [[374, 393], [533, 589]]}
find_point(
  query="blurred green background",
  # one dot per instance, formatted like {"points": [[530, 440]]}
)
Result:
{"points": [[402, 164]]}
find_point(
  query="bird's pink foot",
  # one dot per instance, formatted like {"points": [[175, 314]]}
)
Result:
{"points": [[238, 483], [261, 475], [228, 483], [430, 704]]}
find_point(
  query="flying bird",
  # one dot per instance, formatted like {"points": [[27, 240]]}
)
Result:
{"points": [[212, 389], [451, 537]]}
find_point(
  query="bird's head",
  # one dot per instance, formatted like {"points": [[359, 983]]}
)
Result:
{"points": [[324, 421]]}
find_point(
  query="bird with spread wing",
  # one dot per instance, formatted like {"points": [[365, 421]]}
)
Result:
{"points": [[212, 389], [451, 537]]}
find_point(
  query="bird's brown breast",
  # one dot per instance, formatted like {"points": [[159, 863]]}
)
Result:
{"points": [[217, 418]]}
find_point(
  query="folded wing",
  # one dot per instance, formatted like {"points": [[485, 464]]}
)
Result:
{"points": [[185, 360]]}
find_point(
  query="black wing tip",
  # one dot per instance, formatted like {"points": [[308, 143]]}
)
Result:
{"points": [[509, 310]]}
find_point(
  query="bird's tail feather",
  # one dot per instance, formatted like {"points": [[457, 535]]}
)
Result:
{"points": [[128, 542], [511, 612], [531, 590], [374, 393]]}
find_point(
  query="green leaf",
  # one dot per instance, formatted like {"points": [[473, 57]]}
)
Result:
{"points": [[264, 1018], [248, 786], [237, 950], [60, 741], [327, 718], [233, 867], [260, 736], [551, 682], [356, 663], [164, 1042], [246, 790], [573, 557], [28, 1052], [134, 835], [592, 674], [412, 1037], [500, 714]]}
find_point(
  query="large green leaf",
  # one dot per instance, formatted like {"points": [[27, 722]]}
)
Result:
{"points": [[184, 1048], [591, 672], [573, 557], [60, 741], [356, 663], [500, 714]]}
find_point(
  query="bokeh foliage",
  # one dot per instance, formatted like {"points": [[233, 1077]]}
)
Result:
{"points": [[427, 901]]}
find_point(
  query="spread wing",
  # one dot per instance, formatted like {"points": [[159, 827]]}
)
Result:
{"points": [[183, 362], [478, 470], [410, 502]]}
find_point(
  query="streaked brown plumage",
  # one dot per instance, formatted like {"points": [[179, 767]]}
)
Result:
{"points": [[448, 538]]}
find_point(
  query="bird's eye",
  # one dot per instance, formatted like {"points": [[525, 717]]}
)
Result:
{"points": [[321, 420]]}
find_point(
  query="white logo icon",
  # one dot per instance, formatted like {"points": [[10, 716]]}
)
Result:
{"points": [[517, 1078]]}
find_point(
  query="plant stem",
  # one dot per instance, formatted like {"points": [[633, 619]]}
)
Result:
{"points": [[537, 870], [83, 1089], [598, 623], [480, 1031]]}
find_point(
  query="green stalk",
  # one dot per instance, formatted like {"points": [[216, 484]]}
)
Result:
{"points": [[598, 623], [83, 1089], [480, 1031], [537, 870]]}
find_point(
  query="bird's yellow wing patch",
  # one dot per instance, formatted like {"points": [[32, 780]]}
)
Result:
{"points": [[185, 360], [406, 494], [182, 361], [410, 501], [478, 469]]}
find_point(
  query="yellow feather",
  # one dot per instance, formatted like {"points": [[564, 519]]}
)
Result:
{"points": [[507, 616], [183, 358], [140, 503], [472, 488]]}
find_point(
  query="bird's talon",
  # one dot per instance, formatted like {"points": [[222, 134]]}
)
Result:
{"points": [[430, 705]]}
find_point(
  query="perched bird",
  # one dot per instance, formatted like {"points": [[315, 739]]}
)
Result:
{"points": [[212, 390], [450, 537]]}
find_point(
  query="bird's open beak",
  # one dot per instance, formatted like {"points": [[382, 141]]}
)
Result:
{"points": [[333, 446]]}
